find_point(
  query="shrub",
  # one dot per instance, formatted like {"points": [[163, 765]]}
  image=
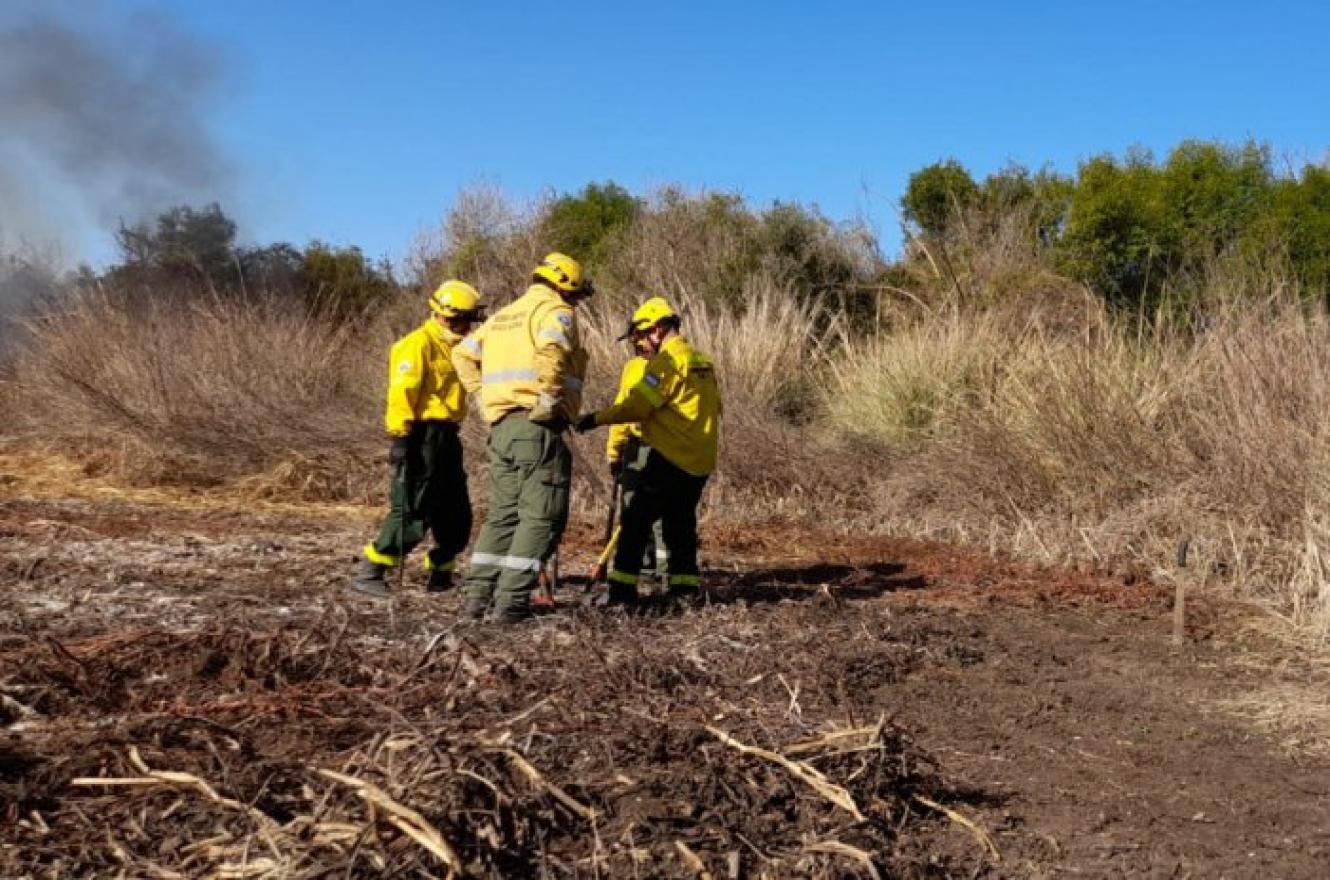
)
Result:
{"points": [[937, 193], [588, 223]]}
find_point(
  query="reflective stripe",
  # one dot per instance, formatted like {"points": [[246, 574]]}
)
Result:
{"points": [[572, 383], [471, 344], [378, 558], [623, 577], [513, 563], [556, 335], [685, 580], [450, 565], [509, 376], [651, 394], [520, 563]]}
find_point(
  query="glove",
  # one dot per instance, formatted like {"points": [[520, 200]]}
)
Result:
{"points": [[397, 452], [585, 422]]}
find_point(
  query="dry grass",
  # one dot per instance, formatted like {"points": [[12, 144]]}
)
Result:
{"points": [[255, 398], [1092, 439], [199, 393], [996, 404]]}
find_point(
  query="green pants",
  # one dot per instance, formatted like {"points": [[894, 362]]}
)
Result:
{"points": [[428, 493], [530, 472], [654, 558], [671, 495]]}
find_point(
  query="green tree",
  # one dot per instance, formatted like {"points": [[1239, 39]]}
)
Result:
{"points": [[182, 243], [1300, 220], [934, 195], [585, 225], [341, 281], [1214, 196], [1044, 196], [1118, 238]]}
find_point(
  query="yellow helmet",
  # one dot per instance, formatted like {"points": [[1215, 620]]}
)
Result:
{"points": [[649, 314], [563, 273], [455, 299]]}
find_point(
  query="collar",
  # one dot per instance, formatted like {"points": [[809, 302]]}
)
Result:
{"points": [[676, 347], [440, 333], [546, 293]]}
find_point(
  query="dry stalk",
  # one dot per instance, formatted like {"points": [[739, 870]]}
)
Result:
{"points": [[531, 773], [267, 825], [836, 847], [14, 706], [811, 777], [979, 833], [835, 740], [405, 820], [247, 870], [693, 861]]}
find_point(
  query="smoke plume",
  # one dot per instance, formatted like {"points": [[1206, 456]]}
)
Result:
{"points": [[104, 116]]}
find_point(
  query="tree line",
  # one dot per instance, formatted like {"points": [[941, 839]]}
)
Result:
{"points": [[1133, 229]]}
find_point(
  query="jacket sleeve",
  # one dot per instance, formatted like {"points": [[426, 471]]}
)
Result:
{"points": [[633, 371], [406, 365], [659, 382], [555, 336], [466, 359]]}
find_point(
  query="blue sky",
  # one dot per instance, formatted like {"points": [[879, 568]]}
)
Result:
{"points": [[358, 122]]}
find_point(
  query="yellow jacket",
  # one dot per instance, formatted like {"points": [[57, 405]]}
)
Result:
{"points": [[633, 371], [422, 384], [678, 405], [528, 354]]}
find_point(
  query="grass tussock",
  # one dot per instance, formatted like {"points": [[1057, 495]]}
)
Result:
{"points": [[1111, 443]]}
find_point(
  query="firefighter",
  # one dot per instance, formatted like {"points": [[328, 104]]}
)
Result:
{"points": [[528, 364], [425, 408], [627, 455], [677, 403]]}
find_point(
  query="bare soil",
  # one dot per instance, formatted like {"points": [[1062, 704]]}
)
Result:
{"points": [[187, 692]]}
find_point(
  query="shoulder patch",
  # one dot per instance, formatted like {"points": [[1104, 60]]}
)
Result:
{"points": [[564, 318], [403, 367], [652, 379]]}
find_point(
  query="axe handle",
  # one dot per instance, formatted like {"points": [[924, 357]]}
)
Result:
{"points": [[610, 547]]}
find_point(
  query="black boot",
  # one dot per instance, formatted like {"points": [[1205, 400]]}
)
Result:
{"points": [[439, 581], [619, 596], [369, 580], [509, 615], [474, 609]]}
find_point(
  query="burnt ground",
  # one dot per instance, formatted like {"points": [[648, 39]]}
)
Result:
{"points": [[186, 692]]}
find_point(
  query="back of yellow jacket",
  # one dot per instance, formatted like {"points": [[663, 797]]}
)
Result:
{"points": [[528, 350], [633, 371], [678, 405], [422, 384]]}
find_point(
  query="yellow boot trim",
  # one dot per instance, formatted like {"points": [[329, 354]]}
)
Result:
{"points": [[685, 580], [623, 577], [378, 558]]}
